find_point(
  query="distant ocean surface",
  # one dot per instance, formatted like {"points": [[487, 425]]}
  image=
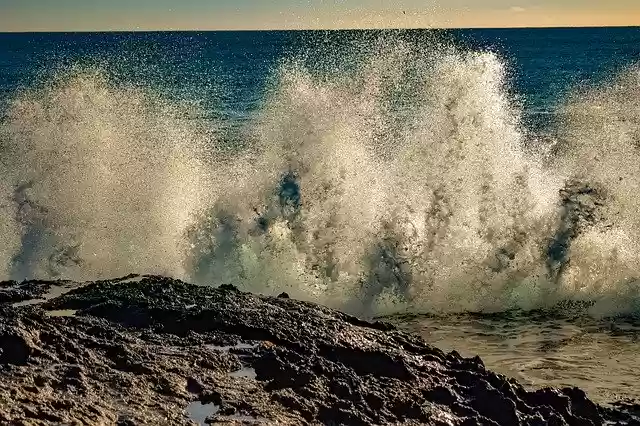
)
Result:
{"points": [[479, 187], [229, 71]]}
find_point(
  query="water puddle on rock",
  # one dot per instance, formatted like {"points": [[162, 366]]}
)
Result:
{"points": [[62, 313], [239, 346], [28, 302], [54, 291], [60, 290], [245, 373], [199, 412]]}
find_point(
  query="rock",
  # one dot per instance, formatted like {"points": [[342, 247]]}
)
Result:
{"points": [[140, 352], [228, 287], [14, 348], [13, 292]]}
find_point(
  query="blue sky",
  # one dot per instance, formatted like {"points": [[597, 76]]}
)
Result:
{"points": [[66, 15]]}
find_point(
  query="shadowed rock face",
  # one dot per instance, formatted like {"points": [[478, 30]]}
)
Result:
{"points": [[580, 210], [141, 350]]}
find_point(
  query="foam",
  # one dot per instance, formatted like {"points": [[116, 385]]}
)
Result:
{"points": [[403, 181]]}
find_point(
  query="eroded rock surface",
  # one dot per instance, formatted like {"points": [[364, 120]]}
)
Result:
{"points": [[141, 350]]}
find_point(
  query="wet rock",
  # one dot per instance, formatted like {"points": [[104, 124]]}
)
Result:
{"points": [[13, 292], [141, 351], [14, 348], [580, 206]]}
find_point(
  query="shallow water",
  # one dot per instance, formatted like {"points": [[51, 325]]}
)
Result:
{"points": [[198, 412], [62, 313], [54, 291], [244, 373], [601, 357]]}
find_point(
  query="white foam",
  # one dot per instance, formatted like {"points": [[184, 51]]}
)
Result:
{"points": [[108, 178], [412, 185], [440, 185]]}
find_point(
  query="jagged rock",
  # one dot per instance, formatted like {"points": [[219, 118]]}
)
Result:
{"points": [[140, 351]]}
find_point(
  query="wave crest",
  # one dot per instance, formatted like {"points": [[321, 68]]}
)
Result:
{"points": [[103, 180], [405, 180]]}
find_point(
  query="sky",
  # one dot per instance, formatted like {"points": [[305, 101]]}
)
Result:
{"points": [[106, 15]]}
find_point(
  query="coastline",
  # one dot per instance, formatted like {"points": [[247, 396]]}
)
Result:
{"points": [[152, 350]]}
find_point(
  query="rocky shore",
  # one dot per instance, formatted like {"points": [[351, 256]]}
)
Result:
{"points": [[155, 351]]}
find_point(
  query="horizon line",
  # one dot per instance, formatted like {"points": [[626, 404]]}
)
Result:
{"points": [[169, 30]]}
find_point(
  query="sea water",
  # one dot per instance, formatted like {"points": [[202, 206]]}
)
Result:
{"points": [[478, 186]]}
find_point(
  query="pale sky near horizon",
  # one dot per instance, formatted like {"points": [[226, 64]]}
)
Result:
{"points": [[103, 15]]}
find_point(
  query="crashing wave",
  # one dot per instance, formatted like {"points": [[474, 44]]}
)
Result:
{"points": [[407, 181]]}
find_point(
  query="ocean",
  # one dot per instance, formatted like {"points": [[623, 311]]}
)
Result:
{"points": [[478, 187]]}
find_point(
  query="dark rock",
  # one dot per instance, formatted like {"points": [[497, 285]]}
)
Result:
{"points": [[228, 287], [137, 353], [14, 348]]}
